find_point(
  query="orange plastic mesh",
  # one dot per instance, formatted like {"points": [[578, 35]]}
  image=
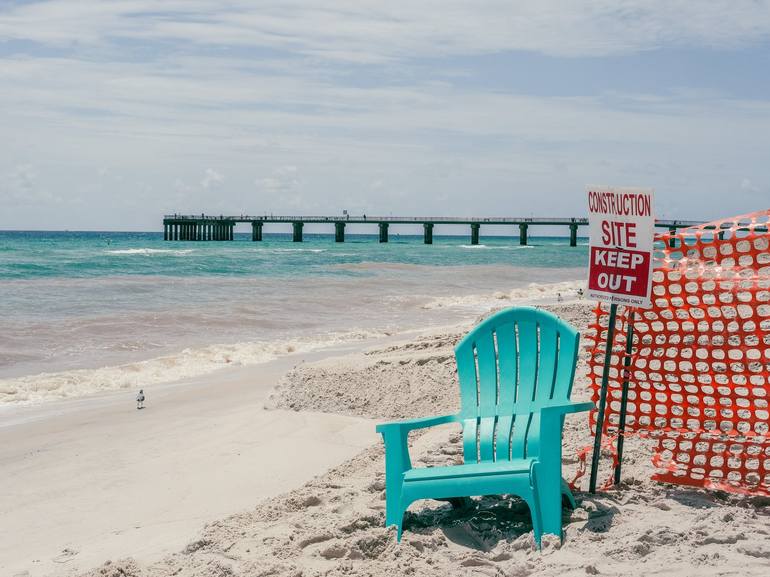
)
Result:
{"points": [[699, 379]]}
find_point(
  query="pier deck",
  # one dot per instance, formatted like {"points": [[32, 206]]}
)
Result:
{"points": [[206, 227]]}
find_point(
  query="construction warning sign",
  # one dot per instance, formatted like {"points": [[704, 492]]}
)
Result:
{"points": [[621, 225]]}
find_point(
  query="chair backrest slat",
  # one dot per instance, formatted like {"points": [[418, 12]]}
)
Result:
{"points": [[518, 358], [528, 361], [519, 432], [486, 362], [503, 437], [467, 375], [486, 359], [508, 363], [548, 363]]}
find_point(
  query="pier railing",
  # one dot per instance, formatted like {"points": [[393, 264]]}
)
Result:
{"points": [[212, 227], [389, 219]]}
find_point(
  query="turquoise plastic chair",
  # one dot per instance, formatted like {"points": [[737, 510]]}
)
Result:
{"points": [[515, 371]]}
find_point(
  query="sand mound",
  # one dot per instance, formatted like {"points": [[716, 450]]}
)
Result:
{"points": [[412, 380], [334, 524]]}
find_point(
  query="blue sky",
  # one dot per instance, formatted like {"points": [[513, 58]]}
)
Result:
{"points": [[113, 112]]}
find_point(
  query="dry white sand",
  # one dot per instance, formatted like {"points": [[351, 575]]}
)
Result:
{"points": [[333, 524], [96, 479]]}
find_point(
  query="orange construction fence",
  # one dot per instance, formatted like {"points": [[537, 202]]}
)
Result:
{"points": [[699, 376]]}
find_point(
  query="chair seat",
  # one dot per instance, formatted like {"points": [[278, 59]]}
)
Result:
{"points": [[469, 470]]}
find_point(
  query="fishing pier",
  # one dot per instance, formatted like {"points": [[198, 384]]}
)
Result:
{"points": [[219, 228]]}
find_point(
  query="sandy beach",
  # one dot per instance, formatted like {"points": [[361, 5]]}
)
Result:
{"points": [[277, 471], [273, 222], [95, 479]]}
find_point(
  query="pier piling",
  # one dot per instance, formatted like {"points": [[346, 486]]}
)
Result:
{"points": [[523, 234], [339, 231], [428, 232], [475, 233], [573, 234], [297, 229], [256, 231], [383, 226]]}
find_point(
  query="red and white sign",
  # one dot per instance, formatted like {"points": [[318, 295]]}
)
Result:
{"points": [[621, 224]]}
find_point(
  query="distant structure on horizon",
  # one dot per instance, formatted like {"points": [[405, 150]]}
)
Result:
{"points": [[204, 227]]}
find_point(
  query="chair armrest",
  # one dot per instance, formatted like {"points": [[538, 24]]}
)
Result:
{"points": [[395, 436], [550, 431], [566, 408], [552, 408], [412, 424]]}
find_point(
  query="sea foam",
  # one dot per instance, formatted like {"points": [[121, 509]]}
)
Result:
{"points": [[531, 294], [188, 363], [150, 251]]}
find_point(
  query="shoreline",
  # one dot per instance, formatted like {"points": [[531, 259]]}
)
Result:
{"points": [[90, 479], [200, 360]]}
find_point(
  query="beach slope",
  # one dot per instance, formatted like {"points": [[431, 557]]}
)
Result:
{"points": [[97, 479]]}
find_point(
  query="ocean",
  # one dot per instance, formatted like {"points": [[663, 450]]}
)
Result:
{"points": [[85, 312]]}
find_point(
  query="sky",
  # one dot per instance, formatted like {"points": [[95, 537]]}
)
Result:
{"points": [[115, 112]]}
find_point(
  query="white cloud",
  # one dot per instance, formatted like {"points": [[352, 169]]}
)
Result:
{"points": [[372, 31], [211, 179], [262, 90], [748, 186], [283, 182], [20, 186]]}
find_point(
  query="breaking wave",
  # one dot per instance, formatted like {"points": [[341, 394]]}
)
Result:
{"points": [[150, 251], [190, 362], [532, 293]]}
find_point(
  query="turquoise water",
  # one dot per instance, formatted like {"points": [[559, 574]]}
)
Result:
{"points": [[29, 255], [90, 311]]}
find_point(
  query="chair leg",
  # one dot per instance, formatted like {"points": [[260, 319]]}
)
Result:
{"points": [[551, 516], [393, 512], [548, 492], [534, 511], [533, 500], [403, 506], [396, 462]]}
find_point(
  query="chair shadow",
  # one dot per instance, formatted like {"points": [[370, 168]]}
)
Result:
{"points": [[488, 520], [482, 523]]}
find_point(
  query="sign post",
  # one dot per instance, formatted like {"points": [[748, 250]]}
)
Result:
{"points": [[624, 393], [621, 226]]}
